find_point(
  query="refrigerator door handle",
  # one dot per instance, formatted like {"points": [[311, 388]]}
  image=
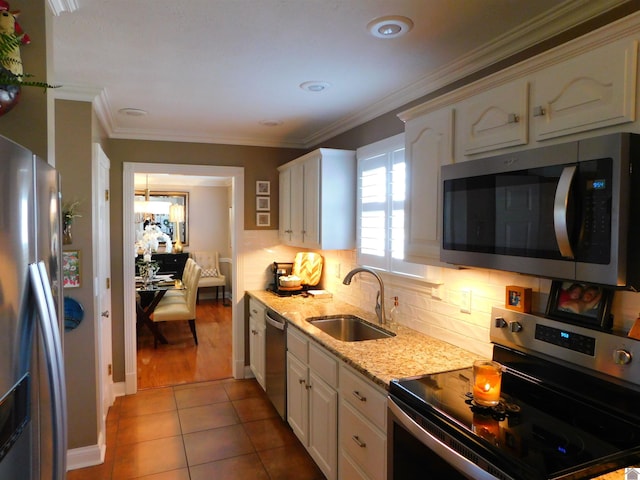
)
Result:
{"points": [[55, 367]]}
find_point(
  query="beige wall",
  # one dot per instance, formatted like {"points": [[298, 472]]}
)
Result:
{"points": [[73, 154]]}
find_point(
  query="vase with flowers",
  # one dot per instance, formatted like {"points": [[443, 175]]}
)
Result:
{"points": [[69, 212]]}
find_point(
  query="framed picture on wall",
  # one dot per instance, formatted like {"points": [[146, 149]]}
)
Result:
{"points": [[263, 203], [71, 269], [263, 187], [263, 219]]}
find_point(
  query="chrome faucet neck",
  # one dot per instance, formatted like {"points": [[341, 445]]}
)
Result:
{"points": [[379, 307]]}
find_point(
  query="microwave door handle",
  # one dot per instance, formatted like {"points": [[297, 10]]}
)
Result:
{"points": [[560, 211]]}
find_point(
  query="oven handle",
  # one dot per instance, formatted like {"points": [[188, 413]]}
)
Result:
{"points": [[560, 211], [449, 455]]}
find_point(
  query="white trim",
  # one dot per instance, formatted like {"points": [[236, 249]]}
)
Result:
{"points": [[237, 291], [119, 389], [86, 456], [60, 6]]}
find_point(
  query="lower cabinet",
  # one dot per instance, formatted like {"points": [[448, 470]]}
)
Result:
{"points": [[363, 430], [312, 399], [257, 330]]}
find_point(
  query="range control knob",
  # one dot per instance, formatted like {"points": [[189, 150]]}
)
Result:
{"points": [[515, 326], [621, 356], [501, 323]]}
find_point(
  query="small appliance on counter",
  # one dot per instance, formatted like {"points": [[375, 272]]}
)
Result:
{"points": [[296, 278]]}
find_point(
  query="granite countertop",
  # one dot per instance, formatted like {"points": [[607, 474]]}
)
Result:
{"points": [[408, 354]]}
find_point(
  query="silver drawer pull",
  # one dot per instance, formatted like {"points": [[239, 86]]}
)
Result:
{"points": [[255, 332], [513, 118], [358, 396], [359, 442], [301, 381], [538, 111]]}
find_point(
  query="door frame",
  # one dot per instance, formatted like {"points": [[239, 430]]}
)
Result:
{"points": [[236, 174]]}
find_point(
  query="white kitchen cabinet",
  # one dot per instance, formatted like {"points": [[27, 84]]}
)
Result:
{"points": [[494, 119], [428, 146], [317, 200], [363, 427], [593, 90], [257, 329], [312, 400]]}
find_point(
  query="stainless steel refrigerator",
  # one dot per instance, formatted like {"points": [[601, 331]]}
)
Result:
{"points": [[33, 424]]}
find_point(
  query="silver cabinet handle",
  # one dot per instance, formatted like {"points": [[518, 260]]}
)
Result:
{"points": [[359, 442], [301, 381], [538, 111], [105, 314], [358, 396], [254, 332], [513, 118]]}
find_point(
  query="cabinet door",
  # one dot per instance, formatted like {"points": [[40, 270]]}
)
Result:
{"points": [[494, 119], [593, 90], [284, 224], [323, 426], [428, 147], [311, 213], [296, 204], [257, 350], [297, 399]]}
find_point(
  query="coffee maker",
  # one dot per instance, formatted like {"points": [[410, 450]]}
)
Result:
{"points": [[281, 269]]}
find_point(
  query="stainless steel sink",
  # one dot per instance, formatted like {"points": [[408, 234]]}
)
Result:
{"points": [[349, 328]]}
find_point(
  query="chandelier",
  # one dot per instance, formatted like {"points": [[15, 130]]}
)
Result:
{"points": [[151, 207]]}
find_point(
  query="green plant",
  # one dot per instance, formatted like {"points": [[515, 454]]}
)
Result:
{"points": [[10, 60]]}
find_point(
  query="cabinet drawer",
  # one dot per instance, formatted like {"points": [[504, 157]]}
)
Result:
{"points": [[348, 469], [364, 397], [363, 442], [325, 366], [297, 344], [256, 311]]}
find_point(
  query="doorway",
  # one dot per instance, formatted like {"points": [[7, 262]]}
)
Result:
{"points": [[236, 176]]}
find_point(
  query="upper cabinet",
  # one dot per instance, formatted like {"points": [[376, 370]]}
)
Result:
{"points": [[318, 200], [593, 90], [495, 119], [428, 146]]}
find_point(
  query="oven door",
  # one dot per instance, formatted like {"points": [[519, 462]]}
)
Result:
{"points": [[414, 453]]}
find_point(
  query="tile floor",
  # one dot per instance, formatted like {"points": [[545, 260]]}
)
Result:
{"points": [[219, 430]]}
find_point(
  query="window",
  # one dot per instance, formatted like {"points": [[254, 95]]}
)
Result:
{"points": [[381, 194]]}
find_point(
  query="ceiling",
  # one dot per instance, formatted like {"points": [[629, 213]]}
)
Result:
{"points": [[229, 71]]}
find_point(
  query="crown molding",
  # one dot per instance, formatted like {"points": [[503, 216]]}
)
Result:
{"points": [[61, 6]]}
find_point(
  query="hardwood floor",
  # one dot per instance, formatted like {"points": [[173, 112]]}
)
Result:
{"points": [[181, 361]]}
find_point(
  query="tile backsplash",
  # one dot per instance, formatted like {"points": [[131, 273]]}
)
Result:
{"points": [[436, 307]]}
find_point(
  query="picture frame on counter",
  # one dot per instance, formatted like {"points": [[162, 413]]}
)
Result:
{"points": [[581, 303], [518, 298]]}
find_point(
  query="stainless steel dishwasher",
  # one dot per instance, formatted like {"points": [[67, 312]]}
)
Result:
{"points": [[276, 361]]}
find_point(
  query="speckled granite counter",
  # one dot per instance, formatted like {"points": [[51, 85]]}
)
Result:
{"points": [[407, 354]]}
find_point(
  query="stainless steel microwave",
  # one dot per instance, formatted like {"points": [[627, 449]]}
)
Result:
{"points": [[568, 211]]}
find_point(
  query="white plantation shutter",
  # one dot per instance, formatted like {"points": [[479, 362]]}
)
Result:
{"points": [[381, 195]]}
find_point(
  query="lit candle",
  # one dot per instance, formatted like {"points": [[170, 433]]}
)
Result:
{"points": [[487, 377]]}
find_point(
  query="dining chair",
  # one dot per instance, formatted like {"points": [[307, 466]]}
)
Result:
{"points": [[211, 276], [174, 309], [188, 271]]}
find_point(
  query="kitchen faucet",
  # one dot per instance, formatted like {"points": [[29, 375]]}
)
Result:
{"points": [[379, 298]]}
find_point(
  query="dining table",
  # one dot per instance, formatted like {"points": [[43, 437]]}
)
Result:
{"points": [[148, 295]]}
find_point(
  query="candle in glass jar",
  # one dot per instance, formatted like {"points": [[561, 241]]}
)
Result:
{"points": [[487, 378]]}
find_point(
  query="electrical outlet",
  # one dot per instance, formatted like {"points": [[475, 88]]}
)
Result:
{"points": [[465, 301]]}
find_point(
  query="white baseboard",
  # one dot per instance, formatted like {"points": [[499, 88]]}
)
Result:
{"points": [[86, 456], [119, 389]]}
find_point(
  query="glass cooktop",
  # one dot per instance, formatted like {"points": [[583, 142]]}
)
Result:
{"points": [[535, 432]]}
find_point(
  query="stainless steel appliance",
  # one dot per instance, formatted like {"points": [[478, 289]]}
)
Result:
{"points": [[568, 408], [276, 361], [33, 438], [562, 211]]}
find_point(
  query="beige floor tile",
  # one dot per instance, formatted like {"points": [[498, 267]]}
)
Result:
{"points": [[216, 444], [269, 433], [202, 395], [290, 463], [247, 467], [254, 408], [181, 474], [243, 389], [146, 458], [148, 427], [207, 417], [148, 401]]}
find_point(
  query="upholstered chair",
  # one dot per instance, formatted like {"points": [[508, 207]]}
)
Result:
{"points": [[188, 271], [211, 276]]}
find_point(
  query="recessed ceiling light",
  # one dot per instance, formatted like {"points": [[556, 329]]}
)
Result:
{"points": [[270, 123], [132, 112], [391, 26], [315, 87]]}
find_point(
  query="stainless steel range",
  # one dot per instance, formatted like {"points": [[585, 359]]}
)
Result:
{"points": [[569, 409]]}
